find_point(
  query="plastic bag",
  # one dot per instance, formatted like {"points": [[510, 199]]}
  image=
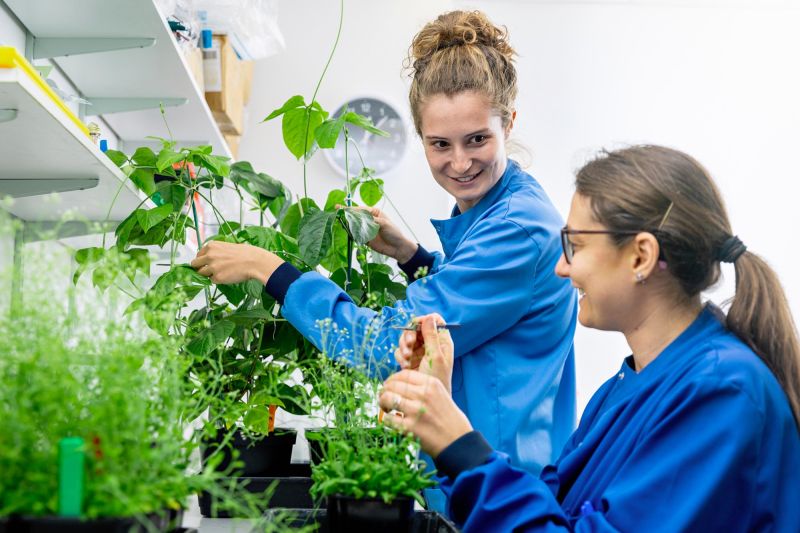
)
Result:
{"points": [[251, 25]]}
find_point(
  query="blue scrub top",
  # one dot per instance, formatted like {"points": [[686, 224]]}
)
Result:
{"points": [[702, 439], [514, 365]]}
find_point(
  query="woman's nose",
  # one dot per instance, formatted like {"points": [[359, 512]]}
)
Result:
{"points": [[461, 162], [562, 267]]}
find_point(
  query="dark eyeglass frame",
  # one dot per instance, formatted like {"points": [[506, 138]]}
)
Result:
{"points": [[567, 248]]}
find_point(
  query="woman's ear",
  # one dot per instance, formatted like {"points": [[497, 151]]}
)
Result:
{"points": [[510, 125], [645, 250]]}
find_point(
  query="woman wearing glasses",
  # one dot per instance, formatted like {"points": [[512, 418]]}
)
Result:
{"points": [[514, 370], [698, 431]]}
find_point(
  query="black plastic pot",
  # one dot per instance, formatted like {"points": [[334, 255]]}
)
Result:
{"points": [[350, 515], [268, 457], [421, 521], [290, 492], [57, 524]]}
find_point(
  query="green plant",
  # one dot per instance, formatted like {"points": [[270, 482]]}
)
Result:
{"points": [[241, 352], [117, 387], [371, 463]]}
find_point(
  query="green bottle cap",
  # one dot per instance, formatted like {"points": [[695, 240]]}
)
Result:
{"points": [[70, 476]]}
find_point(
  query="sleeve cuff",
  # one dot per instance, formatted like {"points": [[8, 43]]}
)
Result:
{"points": [[278, 283], [422, 258], [466, 452]]}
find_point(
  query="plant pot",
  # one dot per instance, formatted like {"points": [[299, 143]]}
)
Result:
{"points": [[350, 515], [58, 524], [269, 457], [289, 492]]}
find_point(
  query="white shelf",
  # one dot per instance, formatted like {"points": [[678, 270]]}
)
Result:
{"points": [[43, 146], [157, 71]]}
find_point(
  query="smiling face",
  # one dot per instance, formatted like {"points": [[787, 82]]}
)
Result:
{"points": [[601, 271], [464, 142]]}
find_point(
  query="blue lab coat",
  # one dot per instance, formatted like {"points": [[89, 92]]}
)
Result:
{"points": [[514, 370], [702, 439]]}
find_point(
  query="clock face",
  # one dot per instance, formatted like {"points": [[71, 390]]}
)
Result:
{"points": [[379, 153]]}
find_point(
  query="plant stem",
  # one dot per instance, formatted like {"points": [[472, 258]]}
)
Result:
{"points": [[348, 200], [206, 292], [314, 97], [383, 192]]}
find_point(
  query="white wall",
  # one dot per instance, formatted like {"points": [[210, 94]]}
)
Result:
{"points": [[368, 62], [719, 80]]}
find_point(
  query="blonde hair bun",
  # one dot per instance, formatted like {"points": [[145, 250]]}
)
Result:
{"points": [[460, 28], [462, 51]]}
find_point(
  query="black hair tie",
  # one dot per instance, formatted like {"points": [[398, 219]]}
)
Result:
{"points": [[731, 250]]}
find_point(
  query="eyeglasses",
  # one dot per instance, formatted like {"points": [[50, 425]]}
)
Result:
{"points": [[568, 247]]}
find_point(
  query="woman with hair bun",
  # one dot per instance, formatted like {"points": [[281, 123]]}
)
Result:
{"points": [[698, 431], [514, 371]]}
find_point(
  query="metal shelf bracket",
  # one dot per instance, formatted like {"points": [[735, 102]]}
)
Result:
{"points": [[102, 106], [49, 47]]}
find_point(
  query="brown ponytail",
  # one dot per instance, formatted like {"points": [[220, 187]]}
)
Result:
{"points": [[462, 51], [759, 314], [631, 189]]}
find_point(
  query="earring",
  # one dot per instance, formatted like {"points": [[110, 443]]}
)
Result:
{"points": [[640, 278]]}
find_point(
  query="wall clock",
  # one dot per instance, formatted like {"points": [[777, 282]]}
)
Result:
{"points": [[380, 153]]}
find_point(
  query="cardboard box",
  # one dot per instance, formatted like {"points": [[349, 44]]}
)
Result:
{"points": [[247, 79], [227, 105], [233, 143]]}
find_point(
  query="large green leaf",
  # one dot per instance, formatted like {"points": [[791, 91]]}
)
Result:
{"points": [[253, 288], [295, 399], [256, 418], [140, 262], [291, 220], [335, 197], [371, 191], [144, 179], [340, 276], [314, 236], [86, 257], [249, 317], [293, 102], [242, 174], [179, 276], [361, 225], [328, 132], [215, 164], [280, 338], [299, 126], [167, 158], [263, 237], [144, 157], [337, 254], [150, 217], [209, 339], [124, 230], [117, 157], [234, 293], [363, 122]]}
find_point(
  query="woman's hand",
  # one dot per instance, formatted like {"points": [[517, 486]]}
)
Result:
{"points": [[390, 240], [419, 403], [429, 349], [227, 263]]}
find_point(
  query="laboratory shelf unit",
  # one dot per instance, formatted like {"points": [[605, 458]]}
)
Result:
{"points": [[45, 149], [142, 66]]}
